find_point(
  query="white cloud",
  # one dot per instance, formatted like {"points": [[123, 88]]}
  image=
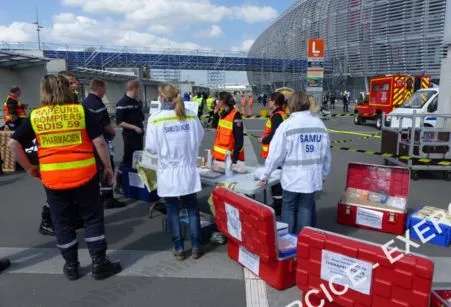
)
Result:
{"points": [[244, 46], [18, 32], [175, 11], [70, 28], [160, 29], [213, 32], [255, 14]]}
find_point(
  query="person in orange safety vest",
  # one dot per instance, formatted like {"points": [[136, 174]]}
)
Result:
{"points": [[278, 115], [230, 131], [13, 109], [66, 135]]}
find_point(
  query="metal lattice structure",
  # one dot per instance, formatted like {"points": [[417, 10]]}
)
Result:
{"points": [[168, 75], [216, 79], [162, 59], [364, 38]]}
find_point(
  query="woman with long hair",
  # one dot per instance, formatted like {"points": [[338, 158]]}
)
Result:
{"points": [[174, 135], [230, 131], [66, 135]]}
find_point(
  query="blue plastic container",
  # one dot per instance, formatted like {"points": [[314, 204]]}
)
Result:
{"points": [[442, 239], [132, 191], [288, 252]]}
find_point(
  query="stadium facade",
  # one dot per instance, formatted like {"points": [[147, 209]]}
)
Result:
{"points": [[364, 38]]}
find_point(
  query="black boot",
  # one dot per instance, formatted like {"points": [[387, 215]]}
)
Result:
{"points": [[103, 268], [109, 202], [46, 227], [119, 188], [4, 264], [72, 265]]}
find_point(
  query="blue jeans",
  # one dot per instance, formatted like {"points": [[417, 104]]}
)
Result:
{"points": [[298, 210], [173, 208]]}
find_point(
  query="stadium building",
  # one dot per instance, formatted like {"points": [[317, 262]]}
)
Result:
{"points": [[364, 38]]}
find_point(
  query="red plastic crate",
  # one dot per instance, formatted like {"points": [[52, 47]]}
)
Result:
{"points": [[406, 282], [441, 298], [395, 181], [250, 227]]}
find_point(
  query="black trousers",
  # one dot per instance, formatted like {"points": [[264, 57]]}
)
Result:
{"points": [[215, 121], [106, 190], [277, 192], [83, 201], [211, 115], [132, 143], [345, 107]]}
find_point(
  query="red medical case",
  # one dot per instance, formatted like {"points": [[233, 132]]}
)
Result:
{"points": [[250, 227], [441, 298], [323, 258], [392, 181]]}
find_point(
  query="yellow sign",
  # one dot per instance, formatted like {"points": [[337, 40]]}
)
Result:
{"points": [[61, 139], [58, 118]]}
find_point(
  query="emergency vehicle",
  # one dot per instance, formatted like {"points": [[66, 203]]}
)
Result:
{"points": [[386, 94]]}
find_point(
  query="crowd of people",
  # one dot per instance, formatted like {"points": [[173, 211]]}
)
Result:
{"points": [[75, 159]]}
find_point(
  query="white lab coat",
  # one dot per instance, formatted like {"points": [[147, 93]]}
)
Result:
{"points": [[301, 146], [176, 143]]}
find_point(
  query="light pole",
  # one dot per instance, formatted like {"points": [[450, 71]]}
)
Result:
{"points": [[38, 29], [261, 73]]}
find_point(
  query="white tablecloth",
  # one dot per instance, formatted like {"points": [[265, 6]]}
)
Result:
{"points": [[244, 183]]}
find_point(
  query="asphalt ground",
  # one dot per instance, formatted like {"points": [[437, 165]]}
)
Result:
{"points": [[151, 276]]}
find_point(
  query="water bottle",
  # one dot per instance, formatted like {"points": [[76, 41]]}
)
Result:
{"points": [[228, 164], [209, 159]]}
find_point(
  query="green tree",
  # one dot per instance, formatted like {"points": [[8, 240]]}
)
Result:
{"points": [[90, 49]]}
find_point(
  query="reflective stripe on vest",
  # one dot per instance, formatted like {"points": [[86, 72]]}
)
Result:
{"points": [[170, 119], [66, 165], [305, 130], [267, 132], [225, 140], [303, 162], [65, 151], [20, 110], [210, 104]]}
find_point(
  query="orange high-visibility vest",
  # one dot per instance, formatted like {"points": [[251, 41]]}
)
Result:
{"points": [[20, 109], [224, 138], [267, 132], [65, 151]]}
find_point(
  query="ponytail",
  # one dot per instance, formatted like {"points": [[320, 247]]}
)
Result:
{"points": [[180, 107], [170, 93]]}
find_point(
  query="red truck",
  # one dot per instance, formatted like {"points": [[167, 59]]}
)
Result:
{"points": [[387, 93]]}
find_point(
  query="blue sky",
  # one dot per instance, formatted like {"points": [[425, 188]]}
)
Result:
{"points": [[230, 25]]}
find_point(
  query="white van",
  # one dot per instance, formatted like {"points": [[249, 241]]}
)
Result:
{"points": [[423, 102]]}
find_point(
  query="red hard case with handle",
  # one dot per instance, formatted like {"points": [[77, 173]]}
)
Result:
{"points": [[250, 227], [404, 283], [395, 181]]}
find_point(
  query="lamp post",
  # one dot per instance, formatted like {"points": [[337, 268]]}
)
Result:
{"points": [[261, 72], [38, 29]]}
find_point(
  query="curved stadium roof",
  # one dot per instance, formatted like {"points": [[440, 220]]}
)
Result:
{"points": [[363, 37]]}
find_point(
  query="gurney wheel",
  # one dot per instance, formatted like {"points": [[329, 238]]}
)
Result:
{"points": [[414, 175]]}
